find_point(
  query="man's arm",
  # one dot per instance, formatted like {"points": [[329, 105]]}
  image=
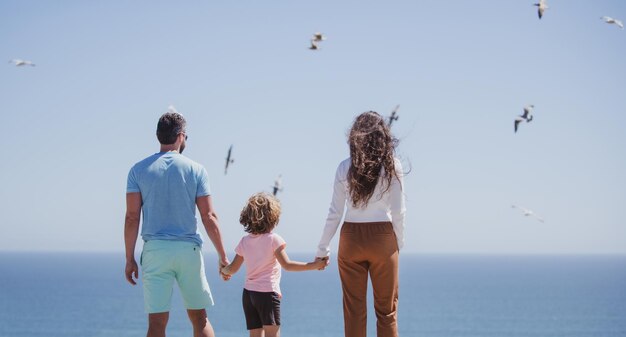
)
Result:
{"points": [[131, 231], [212, 227]]}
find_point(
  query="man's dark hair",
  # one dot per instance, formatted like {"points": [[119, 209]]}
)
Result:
{"points": [[170, 125]]}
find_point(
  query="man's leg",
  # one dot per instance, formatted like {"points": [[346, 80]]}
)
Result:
{"points": [[157, 324], [158, 280], [201, 325], [191, 278]]}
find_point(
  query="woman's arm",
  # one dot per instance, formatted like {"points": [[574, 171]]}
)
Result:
{"points": [[234, 266], [335, 212], [288, 265], [397, 203]]}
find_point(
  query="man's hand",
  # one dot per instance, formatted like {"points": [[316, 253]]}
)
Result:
{"points": [[131, 231], [223, 263], [132, 270]]}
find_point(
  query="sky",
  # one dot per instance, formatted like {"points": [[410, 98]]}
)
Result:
{"points": [[242, 74]]}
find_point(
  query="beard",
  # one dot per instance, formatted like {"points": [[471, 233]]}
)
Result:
{"points": [[182, 148]]}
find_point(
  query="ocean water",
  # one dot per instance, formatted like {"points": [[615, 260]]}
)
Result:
{"points": [[72, 294]]}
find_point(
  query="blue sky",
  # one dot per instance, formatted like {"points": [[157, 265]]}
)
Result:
{"points": [[241, 74]]}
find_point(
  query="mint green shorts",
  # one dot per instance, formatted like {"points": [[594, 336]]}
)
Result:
{"points": [[162, 263]]}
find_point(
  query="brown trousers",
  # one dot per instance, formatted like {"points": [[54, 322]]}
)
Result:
{"points": [[369, 248]]}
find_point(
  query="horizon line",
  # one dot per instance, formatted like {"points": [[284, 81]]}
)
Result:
{"points": [[412, 253]]}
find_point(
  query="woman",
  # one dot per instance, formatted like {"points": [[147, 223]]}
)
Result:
{"points": [[370, 181]]}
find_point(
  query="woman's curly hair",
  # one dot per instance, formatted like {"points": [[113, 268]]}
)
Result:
{"points": [[261, 214], [372, 148]]}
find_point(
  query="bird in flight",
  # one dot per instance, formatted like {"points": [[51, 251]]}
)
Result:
{"points": [[314, 45], [613, 21], [527, 212], [394, 116], [20, 63], [229, 159], [525, 117], [318, 37], [541, 7], [278, 185]]}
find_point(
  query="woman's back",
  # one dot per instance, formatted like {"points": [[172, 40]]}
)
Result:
{"points": [[380, 205]]}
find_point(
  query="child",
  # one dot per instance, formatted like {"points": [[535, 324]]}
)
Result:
{"points": [[264, 254]]}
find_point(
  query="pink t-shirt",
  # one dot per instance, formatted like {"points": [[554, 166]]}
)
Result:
{"points": [[262, 268]]}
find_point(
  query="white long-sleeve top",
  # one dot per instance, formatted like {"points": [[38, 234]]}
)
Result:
{"points": [[388, 206]]}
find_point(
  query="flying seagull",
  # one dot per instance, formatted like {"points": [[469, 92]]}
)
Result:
{"points": [[229, 159], [394, 116], [528, 212], [541, 7], [525, 117], [278, 185], [19, 63], [318, 37], [314, 45], [610, 20]]}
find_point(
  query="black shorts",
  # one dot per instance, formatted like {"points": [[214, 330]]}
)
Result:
{"points": [[261, 308]]}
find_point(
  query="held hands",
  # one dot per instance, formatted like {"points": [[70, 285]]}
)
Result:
{"points": [[224, 274], [321, 263], [223, 270]]}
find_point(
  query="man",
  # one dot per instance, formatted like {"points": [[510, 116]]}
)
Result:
{"points": [[167, 187]]}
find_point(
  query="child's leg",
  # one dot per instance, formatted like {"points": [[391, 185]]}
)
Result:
{"points": [[263, 316], [272, 330], [253, 320], [256, 332]]}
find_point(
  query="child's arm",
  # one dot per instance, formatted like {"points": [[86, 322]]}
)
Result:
{"points": [[234, 266], [288, 265]]}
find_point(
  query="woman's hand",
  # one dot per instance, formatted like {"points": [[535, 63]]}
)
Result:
{"points": [[323, 262]]}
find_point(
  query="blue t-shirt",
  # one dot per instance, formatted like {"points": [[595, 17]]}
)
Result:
{"points": [[169, 184]]}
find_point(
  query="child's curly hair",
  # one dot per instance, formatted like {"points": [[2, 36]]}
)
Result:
{"points": [[261, 214]]}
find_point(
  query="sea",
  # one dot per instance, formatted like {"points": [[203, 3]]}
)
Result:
{"points": [[85, 294]]}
